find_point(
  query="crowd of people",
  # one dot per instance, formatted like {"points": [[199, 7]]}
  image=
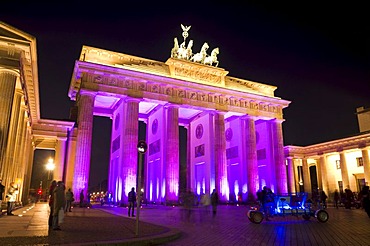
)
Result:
{"points": [[61, 201]]}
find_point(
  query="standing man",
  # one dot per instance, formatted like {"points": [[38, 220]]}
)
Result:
{"points": [[2, 189], [214, 202], [12, 196], [51, 201], [131, 202], [59, 204], [69, 199], [82, 198]]}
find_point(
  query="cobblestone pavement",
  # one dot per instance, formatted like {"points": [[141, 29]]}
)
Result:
{"points": [[161, 225], [231, 227]]}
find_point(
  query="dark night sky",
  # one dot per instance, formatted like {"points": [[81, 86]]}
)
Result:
{"points": [[317, 55]]}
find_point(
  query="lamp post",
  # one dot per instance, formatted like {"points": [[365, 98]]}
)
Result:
{"points": [[141, 148], [50, 166]]}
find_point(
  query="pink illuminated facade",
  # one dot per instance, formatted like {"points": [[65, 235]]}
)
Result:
{"points": [[234, 129], [234, 143]]}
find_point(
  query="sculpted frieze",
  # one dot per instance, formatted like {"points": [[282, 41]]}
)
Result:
{"points": [[239, 83], [128, 83], [113, 81], [263, 106], [183, 93], [141, 86], [197, 74], [154, 88], [168, 91]]}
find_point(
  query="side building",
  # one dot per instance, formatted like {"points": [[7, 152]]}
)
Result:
{"points": [[22, 130], [333, 165]]}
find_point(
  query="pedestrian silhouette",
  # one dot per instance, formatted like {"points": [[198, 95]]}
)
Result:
{"points": [[336, 198], [214, 202], [82, 197], [11, 195], [131, 202], [2, 190], [366, 199], [51, 201], [323, 198], [69, 200], [59, 204]]}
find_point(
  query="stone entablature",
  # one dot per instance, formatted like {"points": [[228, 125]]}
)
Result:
{"points": [[176, 68], [196, 72], [120, 82], [356, 142], [18, 50]]}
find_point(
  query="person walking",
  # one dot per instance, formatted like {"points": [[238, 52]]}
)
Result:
{"points": [[323, 198], [131, 202], [59, 204], [336, 198], [69, 200], [214, 202], [82, 197], [2, 190], [366, 199], [51, 201], [12, 196], [266, 198]]}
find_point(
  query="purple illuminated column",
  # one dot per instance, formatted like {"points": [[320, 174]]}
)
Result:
{"points": [[251, 157], [323, 173], [344, 170], [278, 152], [220, 157], [130, 136], [291, 176], [366, 160], [172, 153], [84, 138], [189, 175], [306, 176]]}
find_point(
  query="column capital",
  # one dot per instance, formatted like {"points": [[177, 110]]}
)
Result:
{"points": [[132, 99], [171, 105], [279, 121], [247, 117], [214, 112], [87, 93], [365, 148], [10, 71]]}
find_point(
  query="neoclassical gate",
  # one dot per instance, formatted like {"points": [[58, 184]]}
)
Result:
{"points": [[234, 126]]}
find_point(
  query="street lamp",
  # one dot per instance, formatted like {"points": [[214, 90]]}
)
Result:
{"points": [[142, 147], [50, 166]]}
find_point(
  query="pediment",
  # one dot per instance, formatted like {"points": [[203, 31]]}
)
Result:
{"points": [[7, 31]]}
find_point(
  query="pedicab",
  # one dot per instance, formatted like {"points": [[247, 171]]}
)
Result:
{"points": [[292, 204]]}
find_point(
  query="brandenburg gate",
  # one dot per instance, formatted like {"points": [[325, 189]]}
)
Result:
{"points": [[234, 126]]}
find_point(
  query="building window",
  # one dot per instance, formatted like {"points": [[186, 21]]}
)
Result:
{"points": [[337, 163], [360, 161]]}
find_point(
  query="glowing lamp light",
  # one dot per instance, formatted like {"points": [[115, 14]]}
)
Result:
{"points": [[142, 147], [50, 165]]}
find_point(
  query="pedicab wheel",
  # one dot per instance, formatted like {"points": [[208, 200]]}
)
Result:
{"points": [[306, 216], [257, 217], [250, 214], [322, 216]]}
